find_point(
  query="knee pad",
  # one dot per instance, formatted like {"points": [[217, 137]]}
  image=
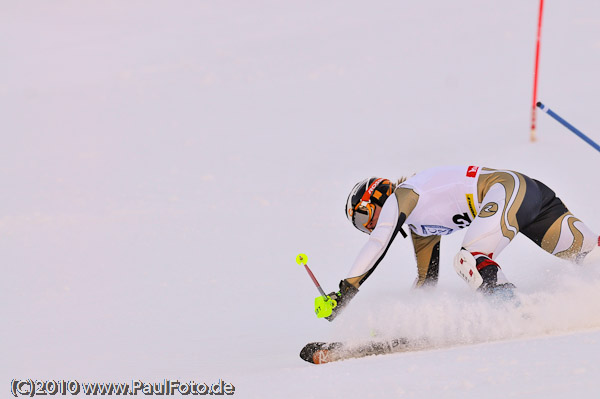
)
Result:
{"points": [[466, 267], [478, 270]]}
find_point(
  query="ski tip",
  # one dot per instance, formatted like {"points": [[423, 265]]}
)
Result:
{"points": [[307, 352], [315, 353]]}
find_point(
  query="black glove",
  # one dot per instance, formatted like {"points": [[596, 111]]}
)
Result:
{"points": [[342, 297]]}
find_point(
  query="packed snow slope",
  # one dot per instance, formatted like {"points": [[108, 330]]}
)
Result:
{"points": [[163, 163]]}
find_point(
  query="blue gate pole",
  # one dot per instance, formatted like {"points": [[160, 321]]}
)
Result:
{"points": [[568, 125]]}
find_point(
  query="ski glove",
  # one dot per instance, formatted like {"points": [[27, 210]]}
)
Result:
{"points": [[335, 302]]}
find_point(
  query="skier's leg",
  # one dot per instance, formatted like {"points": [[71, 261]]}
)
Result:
{"points": [[484, 239], [560, 233], [569, 238], [511, 202]]}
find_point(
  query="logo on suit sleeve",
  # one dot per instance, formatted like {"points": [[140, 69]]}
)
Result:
{"points": [[472, 171], [488, 210]]}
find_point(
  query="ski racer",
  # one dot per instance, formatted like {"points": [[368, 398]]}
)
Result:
{"points": [[493, 205]]}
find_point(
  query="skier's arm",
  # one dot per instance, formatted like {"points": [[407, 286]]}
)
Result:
{"points": [[390, 221], [368, 258], [394, 213], [427, 253]]}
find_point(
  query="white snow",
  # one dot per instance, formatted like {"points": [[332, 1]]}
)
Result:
{"points": [[163, 163]]}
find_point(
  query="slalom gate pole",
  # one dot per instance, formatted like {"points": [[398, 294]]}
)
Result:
{"points": [[535, 72], [568, 126], [301, 260]]}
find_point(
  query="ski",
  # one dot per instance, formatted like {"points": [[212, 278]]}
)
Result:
{"points": [[327, 352]]}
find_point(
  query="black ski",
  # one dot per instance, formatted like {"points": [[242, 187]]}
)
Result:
{"points": [[326, 352]]}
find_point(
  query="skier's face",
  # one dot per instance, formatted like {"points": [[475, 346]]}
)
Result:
{"points": [[371, 225]]}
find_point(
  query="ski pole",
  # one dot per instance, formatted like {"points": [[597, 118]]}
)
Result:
{"points": [[301, 260], [324, 305], [568, 126]]}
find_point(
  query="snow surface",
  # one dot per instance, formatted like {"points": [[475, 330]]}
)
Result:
{"points": [[164, 162]]}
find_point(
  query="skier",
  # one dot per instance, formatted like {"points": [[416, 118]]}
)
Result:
{"points": [[493, 204]]}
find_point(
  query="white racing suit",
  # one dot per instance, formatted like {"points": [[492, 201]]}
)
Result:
{"points": [[495, 205]]}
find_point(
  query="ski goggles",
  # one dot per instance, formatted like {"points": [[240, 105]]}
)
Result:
{"points": [[363, 211], [362, 215]]}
